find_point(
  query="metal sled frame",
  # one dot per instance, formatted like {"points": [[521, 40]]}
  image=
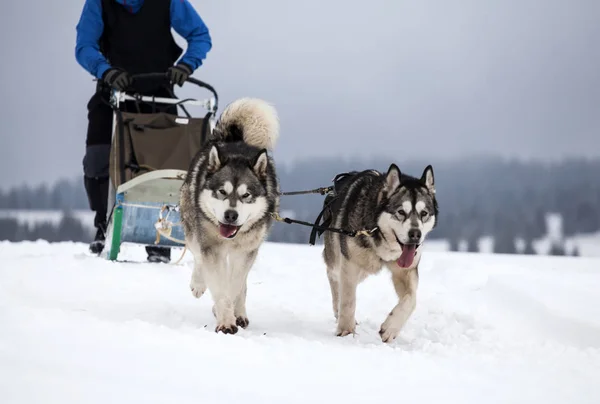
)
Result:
{"points": [[138, 204]]}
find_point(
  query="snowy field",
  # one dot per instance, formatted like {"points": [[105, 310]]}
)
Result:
{"points": [[487, 329]]}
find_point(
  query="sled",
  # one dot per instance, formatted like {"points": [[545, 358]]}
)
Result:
{"points": [[149, 158]]}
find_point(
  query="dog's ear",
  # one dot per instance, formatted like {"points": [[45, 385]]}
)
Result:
{"points": [[214, 161], [427, 179], [392, 179], [259, 165]]}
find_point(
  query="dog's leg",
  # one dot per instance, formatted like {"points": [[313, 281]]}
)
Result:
{"points": [[334, 284], [218, 277], [244, 264], [348, 282], [330, 247], [197, 284], [239, 310], [405, 283]]}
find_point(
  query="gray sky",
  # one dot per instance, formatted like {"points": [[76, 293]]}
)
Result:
{"points": [[405, 78]]}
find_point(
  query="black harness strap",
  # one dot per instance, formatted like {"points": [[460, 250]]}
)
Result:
{"points": [[349, 233], [323, 221], [322, 191]]}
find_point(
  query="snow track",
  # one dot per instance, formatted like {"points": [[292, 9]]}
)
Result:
{"points": [[487, 329]]}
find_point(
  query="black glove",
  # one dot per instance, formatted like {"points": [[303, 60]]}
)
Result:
{"points": [[179, 74], [117, 78]]}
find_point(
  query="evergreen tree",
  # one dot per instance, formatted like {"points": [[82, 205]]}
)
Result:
{"points": [[504, 242], [454, 242], [529, 247], [9, 229], [557, 249], [472, 244]]}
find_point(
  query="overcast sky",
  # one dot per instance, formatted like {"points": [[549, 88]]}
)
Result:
{"points": [[410, 79]]}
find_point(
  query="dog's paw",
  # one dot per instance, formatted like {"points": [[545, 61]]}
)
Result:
{"points": [[343, 330], [227, 328], [343, 333], [242, 321], [197, 289], [388, 332]]}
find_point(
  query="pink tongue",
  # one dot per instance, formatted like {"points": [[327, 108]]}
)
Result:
{"points": [[227, 230], [407, 256]]}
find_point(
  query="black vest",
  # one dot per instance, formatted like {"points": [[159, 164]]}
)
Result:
{"points": [[140, 42]]}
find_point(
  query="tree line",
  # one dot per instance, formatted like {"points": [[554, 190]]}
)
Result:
{"points": [[478, 197], [69, 228], [504, 199]]}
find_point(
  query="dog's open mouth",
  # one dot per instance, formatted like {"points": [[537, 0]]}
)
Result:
{"points": [[228, 230], [408, 254]]}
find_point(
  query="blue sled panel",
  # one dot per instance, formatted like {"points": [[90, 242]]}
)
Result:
{"points": [[138, 225]]}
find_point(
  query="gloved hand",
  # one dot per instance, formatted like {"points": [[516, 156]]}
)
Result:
{"points": [[117, 78], [178, 74]]}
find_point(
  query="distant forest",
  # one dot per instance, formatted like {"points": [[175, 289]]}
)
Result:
{"points": [[69, 228], [477, 197]]}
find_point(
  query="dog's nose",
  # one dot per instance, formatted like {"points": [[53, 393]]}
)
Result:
{"points": [[414, 235], [231, 216]]}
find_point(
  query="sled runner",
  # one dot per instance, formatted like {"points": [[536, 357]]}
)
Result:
{"points": [[149, 158]]}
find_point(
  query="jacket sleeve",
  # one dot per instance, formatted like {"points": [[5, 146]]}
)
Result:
{"points": [[187, 23], [89, 30]]}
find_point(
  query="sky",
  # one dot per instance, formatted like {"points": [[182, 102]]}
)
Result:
{"points": [[403, 79]]}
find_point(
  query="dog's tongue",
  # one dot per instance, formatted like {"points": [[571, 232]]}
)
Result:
{"points": [[407, 256], [227, 230]]}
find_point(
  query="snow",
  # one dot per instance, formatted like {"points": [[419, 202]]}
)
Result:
{"points": [[487, 329]]}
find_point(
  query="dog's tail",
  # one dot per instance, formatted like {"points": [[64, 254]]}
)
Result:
{"points": [[250, 120]]}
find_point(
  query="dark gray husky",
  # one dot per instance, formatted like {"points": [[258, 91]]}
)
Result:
{"points": [[226, 203], [400, 210]]}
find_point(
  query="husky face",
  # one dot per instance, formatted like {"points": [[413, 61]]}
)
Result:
{"points": [[410, 210], [234, 196]]}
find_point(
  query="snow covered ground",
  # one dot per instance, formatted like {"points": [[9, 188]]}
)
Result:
{"points": [[487, 329]]}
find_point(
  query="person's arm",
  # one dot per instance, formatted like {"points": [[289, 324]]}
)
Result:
{"points": [[187, 23], [89, 30]]}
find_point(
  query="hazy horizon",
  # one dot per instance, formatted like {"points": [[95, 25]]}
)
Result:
{"points": [[411, 81]]}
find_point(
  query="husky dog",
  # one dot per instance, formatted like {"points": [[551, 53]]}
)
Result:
{"points": [[226, 202], [401, 210]]}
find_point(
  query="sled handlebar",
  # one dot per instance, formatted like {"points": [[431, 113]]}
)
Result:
{"points": [[192, 80]]}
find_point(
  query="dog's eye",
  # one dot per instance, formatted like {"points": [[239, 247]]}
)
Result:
{"points": [[424, 213], [222, 192], [401, 212], [246, 195]]}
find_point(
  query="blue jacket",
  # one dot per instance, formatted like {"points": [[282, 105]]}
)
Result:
{"points": [[184, 20]]}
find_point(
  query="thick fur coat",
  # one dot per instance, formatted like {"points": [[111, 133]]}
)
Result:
{"points": [[226, 203], [404, 210]]}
